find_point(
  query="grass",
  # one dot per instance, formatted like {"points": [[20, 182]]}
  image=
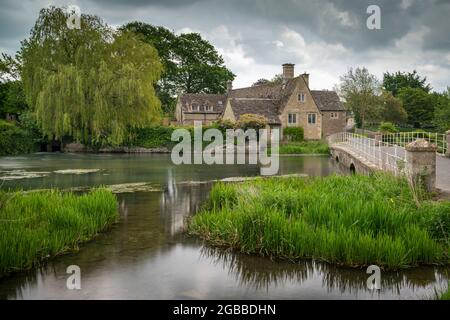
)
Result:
{"points": [[40, 225], [304, 147], [350, 220], [444, 295]]}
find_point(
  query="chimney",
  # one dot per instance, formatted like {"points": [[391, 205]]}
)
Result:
{"points": [[229, 86], [288, 71], [306, 78]]}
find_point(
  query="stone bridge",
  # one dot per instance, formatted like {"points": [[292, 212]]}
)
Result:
{"points": [[418, 155]]}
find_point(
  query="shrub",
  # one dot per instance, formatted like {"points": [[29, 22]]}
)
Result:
{"points": [[15, 140], [151, 137], [293, 133], [387, 127], [251, 121]]}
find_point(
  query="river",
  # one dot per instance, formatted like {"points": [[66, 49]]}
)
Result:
{"points": [[147, 255]]}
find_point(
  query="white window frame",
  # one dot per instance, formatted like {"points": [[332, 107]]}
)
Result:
{"points": [[315, 118], [294, 117], [208, 108], [195, 107], [301, 97]]}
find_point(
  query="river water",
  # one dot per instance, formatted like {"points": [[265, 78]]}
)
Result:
{"points": [[147, 255]]}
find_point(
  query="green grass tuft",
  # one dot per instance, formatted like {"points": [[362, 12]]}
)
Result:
{"points": [[39, 225], [304, 147], [351, 220]]}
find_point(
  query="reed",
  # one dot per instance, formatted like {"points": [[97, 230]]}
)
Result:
{"points": [[353, 220], [37, 226]]}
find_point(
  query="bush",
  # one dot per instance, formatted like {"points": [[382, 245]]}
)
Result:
{"points": [[15, 140], [251, 121], [293, 133], [151, 137], [387, 127]]}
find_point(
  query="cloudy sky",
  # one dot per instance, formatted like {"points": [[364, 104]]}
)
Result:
{"points": [[322, 37]]}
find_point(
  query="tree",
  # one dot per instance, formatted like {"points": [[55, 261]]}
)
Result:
{"points": [[392, 109], [191, 64], [419, 106], [12, 98], [442, 110], [91, 83], [394, 82], [360, 90], [261, 81]]}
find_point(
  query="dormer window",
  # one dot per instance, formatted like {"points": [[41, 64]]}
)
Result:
{"points": [[301, 97], [220, 102], [195, 107], [208, 108]]}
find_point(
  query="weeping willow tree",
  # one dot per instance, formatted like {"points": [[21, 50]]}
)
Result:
{"points": [[92, 83]]}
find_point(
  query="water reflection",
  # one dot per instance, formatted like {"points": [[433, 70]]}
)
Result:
{"points": [[263, 274]]}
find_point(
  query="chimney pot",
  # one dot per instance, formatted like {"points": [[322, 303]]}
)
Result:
{"points": [[306, 78]]}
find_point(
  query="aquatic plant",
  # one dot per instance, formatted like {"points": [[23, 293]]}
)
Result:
{"points": [[353, 220], [37, 226]]}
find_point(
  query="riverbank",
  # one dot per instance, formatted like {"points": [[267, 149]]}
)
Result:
{"points": [[348, 220], [37, 226]]}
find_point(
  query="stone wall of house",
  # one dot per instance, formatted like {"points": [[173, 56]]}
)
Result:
{"points": [[333, 125], [205, 118], [302, 109], [228, 113]]}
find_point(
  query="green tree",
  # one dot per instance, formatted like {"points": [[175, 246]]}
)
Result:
{"points": [[191, 64], [91, 83], [12, 98], [392, 109], [442, 110], [361, 92], [394, 82], [419, 106]]}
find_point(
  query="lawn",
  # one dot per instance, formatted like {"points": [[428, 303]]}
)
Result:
{"points": [[39, 225], [350, 220]]}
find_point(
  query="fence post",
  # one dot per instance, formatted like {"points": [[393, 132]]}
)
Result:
{"points": [[378, 138], [421, 163], [447, 138]]}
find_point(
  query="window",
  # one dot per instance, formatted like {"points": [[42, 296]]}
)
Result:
{"points": [[311, 118], [208, 108], [301, 97], [195, 107], [292, 118], [334, 115]]}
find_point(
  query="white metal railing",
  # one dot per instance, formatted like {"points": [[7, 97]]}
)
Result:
{"points": [[403, 138], [384, 155]]}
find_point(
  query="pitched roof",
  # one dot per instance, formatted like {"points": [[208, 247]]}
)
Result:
{"points": [[265, 107], [327, 100], [217, 101]]}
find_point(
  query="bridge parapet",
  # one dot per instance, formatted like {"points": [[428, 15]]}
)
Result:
{"points": [[417, 160]]}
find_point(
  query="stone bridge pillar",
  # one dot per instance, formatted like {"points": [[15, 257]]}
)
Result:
{"points": [[421, 163], [447, 137]]}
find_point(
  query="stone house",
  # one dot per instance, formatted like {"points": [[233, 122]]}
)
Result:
{"points": [[290, 103]]}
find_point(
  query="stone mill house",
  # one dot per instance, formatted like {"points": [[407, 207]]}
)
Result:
{"points": [[290, 103]]}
